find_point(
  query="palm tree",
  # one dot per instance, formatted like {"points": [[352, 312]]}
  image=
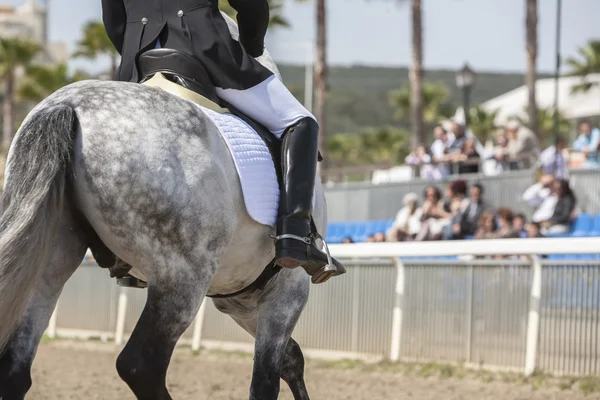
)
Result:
{"points": [[434, 105], [384, 146], [546, 122], [96, 43], [321, 86], [531, 22], [41, 81], [416, 76], [481, 122], [15, 53], [589, 64]]}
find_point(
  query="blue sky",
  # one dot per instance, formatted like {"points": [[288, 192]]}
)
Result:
{"points": [[489, 34]]}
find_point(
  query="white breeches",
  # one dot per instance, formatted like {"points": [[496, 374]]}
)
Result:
{"points": [[269, 103]]}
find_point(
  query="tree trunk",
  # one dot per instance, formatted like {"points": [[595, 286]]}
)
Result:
{"points": [[8, 125], [531, 23], [321, 84], [416, 77]]}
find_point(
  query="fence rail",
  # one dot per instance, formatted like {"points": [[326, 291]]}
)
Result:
{"points": [[511, 313]]}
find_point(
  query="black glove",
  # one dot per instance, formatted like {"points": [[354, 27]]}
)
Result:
{"points": [[253, 20]]}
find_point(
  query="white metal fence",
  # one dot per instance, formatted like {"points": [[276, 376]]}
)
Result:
{"points": [[506, 313]]}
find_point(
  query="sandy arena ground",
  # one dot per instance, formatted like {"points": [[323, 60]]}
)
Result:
{"points": [[85, 370]]}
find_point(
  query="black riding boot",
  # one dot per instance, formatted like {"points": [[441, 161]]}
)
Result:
{"points": [[294, 244]]}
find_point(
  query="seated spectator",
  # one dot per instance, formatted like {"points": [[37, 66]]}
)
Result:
{"points": [[370, 239], [562, 217], [519, 225], [347, 240], [379, 237], [538, 197], [523, 147], [433, 215], [587, 142], [468, 159], [408, 220], [505, 219], [486, 226], [534, 230], [553, 160], [556, 204], [466, 221]]}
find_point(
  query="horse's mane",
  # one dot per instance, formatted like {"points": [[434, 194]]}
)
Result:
{"points": [[266, 60]]}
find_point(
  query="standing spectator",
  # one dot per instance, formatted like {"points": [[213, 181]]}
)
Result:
{"points": [[519, 225], [468, 160], [505, 219], [421, 161], [458, 130], [433, 217], [439, 149], [587, 142], [523, 146], [487, 225], [553, 160], [408, 220]]}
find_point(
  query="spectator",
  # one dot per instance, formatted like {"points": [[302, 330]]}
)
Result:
{"points": [[370, 239], [433, 216], [347, 240], [458, 205], [587, 142], [539, 197], [505, 219], [469, 219], [519, 225], [421, 160], [562, 217], [439, 149], [522, 148], [468, 160], [533, 230], [379, 237], [487, 225], [553, 160], [458, 130], [408, 220], [555, 203]]}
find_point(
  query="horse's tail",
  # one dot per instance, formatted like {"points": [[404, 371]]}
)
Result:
{"points": [[31, 206]]}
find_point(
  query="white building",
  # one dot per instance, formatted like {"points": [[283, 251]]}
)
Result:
{"points": [[572, 105], [31, 21]]}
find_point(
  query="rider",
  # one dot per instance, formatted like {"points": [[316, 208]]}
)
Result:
{"points": [[198, 28]]}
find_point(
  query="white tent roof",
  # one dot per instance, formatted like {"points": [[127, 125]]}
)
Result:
{"points": [[572, 106]]}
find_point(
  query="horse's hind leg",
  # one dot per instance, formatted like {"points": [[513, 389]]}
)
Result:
{"points": [[15, 363], [172, 303], [276, 355]]}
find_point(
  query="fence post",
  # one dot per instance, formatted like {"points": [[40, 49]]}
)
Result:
{"points": [[121, 313], [533, 321], [397, 314], [198, 322], [51, 331]]}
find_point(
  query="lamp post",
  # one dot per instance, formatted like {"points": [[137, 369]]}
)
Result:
{"points": [[557, 68], [465, 78]]}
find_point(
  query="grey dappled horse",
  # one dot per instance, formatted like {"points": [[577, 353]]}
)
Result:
{"points": [[155, 180]]}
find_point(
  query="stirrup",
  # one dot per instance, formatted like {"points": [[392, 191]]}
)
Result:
{"points": [[328, 271]]}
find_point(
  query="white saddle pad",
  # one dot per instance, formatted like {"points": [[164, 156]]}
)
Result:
{"points": [[254, 166]]}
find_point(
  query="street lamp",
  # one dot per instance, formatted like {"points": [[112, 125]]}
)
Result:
{"points": [[465, 79]]}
